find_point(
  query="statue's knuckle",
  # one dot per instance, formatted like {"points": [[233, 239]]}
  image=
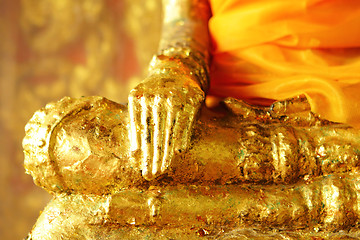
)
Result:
{"points": [[134, 92]]}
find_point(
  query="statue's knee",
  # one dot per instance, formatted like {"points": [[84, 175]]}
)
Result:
{"points": [[78, 145]]}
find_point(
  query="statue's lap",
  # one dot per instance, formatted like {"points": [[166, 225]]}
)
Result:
{"points": [[262, 174]]}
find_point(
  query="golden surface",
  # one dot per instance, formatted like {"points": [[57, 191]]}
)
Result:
{"points": [[55, 48], [281, 172], [167, 167]]}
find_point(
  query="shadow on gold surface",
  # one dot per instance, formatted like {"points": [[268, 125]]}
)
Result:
{"points": [[50, 49]]}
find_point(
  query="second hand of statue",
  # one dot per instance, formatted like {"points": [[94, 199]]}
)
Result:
{"points": [[162, 111]]}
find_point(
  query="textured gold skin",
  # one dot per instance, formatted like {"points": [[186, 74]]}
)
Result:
{"points": [[282, 168]]}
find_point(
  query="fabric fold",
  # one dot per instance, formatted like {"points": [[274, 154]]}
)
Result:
{"points": [[267, 50]]}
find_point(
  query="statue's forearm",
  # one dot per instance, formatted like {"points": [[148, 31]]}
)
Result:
{"points": [[185, 25], [185, 39]]}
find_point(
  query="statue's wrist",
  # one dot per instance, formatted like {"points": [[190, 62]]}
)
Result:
{"points": [[185, 39], [182, 61]]}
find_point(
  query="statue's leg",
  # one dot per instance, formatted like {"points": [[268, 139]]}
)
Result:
{"points": [[281, 144], [80, 145], [85, 148], [84, 153], [325, 204]]}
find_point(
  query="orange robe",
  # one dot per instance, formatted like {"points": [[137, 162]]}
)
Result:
{"points": [[266, 50]]}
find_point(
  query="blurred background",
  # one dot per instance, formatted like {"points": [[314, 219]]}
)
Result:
{"points": [[55, 48]]}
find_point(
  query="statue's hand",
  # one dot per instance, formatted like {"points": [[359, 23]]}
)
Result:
{"points": [[162, 112]]}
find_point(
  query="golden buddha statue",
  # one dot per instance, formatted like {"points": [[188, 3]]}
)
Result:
{"points": [[167, 167]]}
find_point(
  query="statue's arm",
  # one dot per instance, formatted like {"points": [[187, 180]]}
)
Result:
{"points": [[164, 106]]}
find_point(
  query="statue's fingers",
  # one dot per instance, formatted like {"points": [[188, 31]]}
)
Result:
{"points": [[135, 120], [169, 141], [146, 136], [188, 119], [159, 118], [185, 123]]}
